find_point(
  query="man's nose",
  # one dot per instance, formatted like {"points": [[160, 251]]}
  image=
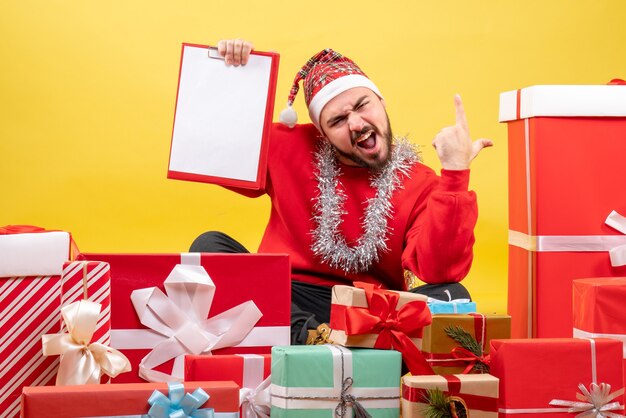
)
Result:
{"points": [[355, 122]]}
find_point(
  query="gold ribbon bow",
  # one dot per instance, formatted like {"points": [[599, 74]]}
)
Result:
{"points": [[82, 362], [595, 402]]}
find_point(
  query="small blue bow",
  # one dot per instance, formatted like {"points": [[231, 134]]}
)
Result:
{"points": [[179, 404]]}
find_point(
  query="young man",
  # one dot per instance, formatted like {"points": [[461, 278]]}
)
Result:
{"points": [[350, 202]]}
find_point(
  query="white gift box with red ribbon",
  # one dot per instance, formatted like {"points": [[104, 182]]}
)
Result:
{"points": [[33, 251]]}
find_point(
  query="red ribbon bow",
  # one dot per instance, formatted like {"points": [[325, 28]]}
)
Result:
{"points": [[394, 327], [20, 229], [472, 359]]}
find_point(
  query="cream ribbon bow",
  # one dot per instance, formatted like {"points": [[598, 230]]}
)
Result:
{"points": [[82, 362], [595, 402], [180, 320], [256, 403]]}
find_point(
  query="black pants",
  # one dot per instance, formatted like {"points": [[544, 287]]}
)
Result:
{"points": [[310, 303]]}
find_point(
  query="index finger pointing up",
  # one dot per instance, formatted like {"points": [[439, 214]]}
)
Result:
{"points": [[461, 120]]}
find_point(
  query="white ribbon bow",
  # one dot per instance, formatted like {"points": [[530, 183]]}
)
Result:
{"points": [[617, 254], [256, 403], [82, 362], [594, 403], [180, 317]]}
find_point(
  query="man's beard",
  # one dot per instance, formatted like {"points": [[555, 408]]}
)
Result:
{"points": [[375, 165]]}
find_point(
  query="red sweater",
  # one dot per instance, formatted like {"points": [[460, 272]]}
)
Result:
{"points": [[432, 229]]}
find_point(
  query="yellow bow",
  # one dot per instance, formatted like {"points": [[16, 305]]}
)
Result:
{"points": [[82, 362]]}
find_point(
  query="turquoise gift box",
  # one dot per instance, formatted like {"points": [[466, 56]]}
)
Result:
{"points": [[452, 307], [328, 381]]}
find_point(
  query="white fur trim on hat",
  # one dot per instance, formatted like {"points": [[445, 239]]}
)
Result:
{"points": [[335, 88]]}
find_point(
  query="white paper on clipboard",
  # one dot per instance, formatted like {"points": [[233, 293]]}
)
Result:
{"points": [[220, 116]]}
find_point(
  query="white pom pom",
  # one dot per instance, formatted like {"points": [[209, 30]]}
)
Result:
{"points": [[288, 116]]}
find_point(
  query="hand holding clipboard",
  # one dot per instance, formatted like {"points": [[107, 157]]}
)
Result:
{"points": [[223, 115], [235, 51]]}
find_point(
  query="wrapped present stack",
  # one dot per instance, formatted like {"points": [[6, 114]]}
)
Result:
{"points": [[565, 173], [566, 253], [453, 345], [37, 285], [207, 335]]}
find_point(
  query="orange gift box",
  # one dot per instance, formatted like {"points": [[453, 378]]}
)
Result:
{"points": [[564, 142], [535, 372], [117, 399], [439, 348]]}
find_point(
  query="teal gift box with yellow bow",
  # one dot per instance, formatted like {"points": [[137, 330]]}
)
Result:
{"points": [[327, 381]]}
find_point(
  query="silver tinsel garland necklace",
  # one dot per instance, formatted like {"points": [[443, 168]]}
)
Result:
{"points": [[328, 242]]}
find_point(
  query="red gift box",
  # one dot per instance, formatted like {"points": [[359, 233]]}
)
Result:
{"points": [[249, 371], [599, 309], [565, 174], [534, 372], [118, 399], [239, 278], [30, 308]]}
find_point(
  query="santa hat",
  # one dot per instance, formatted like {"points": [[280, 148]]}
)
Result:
{"points": [[325, 75]]}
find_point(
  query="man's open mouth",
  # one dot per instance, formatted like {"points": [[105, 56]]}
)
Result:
{"points": [[367, 140]]}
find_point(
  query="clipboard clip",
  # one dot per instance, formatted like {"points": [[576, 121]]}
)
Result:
{"points": [[214, 53]]}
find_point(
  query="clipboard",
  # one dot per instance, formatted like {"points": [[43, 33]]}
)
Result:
{"points": [[223, 118]]}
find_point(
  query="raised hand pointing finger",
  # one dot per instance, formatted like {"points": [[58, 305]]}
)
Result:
{"points": [[453, 144], [461, 119]]}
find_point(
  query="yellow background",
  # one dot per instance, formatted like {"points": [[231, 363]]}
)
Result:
{"points": [[87, 95]]}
